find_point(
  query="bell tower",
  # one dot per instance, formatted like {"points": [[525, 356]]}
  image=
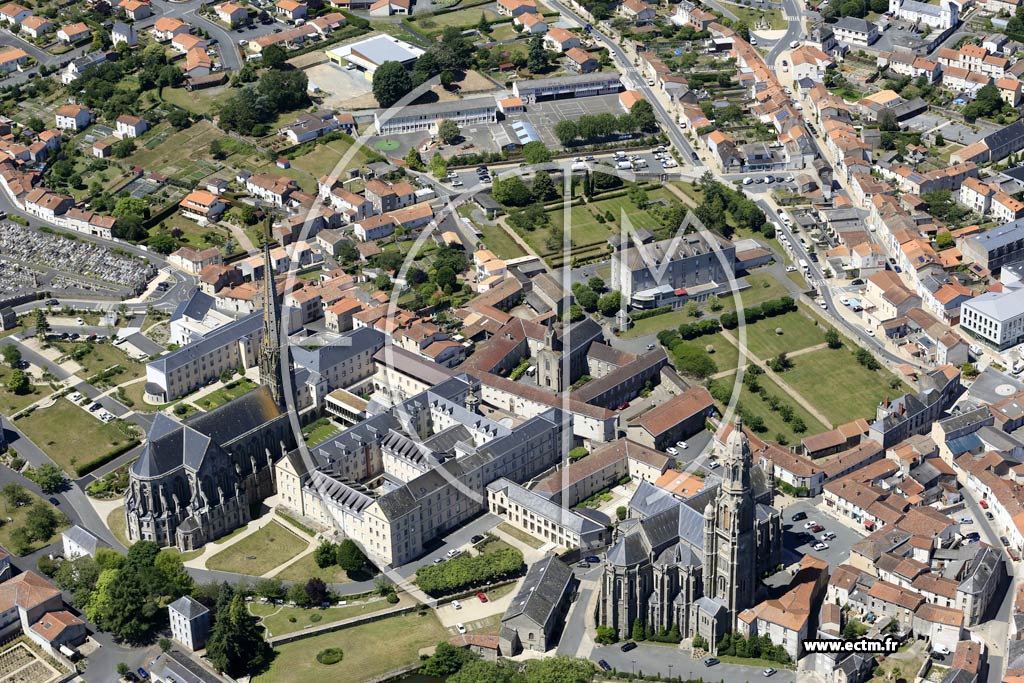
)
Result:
{"points": [[270, 346]]}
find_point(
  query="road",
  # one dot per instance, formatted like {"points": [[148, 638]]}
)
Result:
{"points": [[794, 30]]}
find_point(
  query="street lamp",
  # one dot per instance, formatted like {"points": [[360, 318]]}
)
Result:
{"points": [[669, 672], [633, 662]]}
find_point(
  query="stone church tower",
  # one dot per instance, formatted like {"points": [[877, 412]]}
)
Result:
{"points": [[730, 538]]}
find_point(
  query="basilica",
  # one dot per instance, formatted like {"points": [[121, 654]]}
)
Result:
{"points": [[694, 564]]}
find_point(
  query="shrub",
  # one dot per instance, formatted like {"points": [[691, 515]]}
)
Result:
{"points": [[465, 571], [331, 655], [315, 618]]}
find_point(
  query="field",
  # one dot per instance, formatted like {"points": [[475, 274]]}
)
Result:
{"points": [[10, 402], [198, 101], [798, 332], [177, 152], [193, 234], [258, 553], [228, 392], [820, 375], [463, 18], [306, 568], [101, 357], [753, 17], [17, 516], [370, 650], [277, 618], [500, 243], [69, 434], [773, 422]]}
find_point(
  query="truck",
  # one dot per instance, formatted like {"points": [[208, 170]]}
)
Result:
{"points": [[624, 165], [803, 265]]}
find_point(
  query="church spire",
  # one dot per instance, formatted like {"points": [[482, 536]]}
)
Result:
{"points": [[270, 349], [736, 461]]}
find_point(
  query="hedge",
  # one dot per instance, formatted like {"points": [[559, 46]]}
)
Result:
{"points": [[640, 315], [465, 571], [769, 309], [86, 468]]}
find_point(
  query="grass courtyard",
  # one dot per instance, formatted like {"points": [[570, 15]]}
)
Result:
{"points": [[463, 18], [370, 649], [80, 438], [819, 375], [100, 357], [798, 332], [278, 618], [306, 568], [259, 552], [228, 392], [17, 515], [11, 402], [775, 426]]}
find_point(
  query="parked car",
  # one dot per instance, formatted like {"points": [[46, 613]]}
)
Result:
{"points": [[1004, 540], [988, 515], [482, 597], [941, 649], [798, 516], [594, 559], [966, 520], [817, 528], [627, 646], [477, 538], [672, 450], [820, 546], [605, 666], [142, 673], [583, 565], [810, 524], [769, 672], [456, 604], [682, 445], [711, 661], [461, 628]]}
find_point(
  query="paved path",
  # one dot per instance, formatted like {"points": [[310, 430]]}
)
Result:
{"points": [[243, 239], [781, 382], [793, 354]]}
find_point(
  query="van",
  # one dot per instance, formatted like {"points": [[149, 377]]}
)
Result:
{"points": [[624, 165]]}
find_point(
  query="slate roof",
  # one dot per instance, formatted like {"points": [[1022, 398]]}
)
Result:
{"points": [[188, 608], [82, 538], [542, 589]]}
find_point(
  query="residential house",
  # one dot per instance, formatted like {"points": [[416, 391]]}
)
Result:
{"points": [[130, 126], [73, 33], [581, 61], [202, 206], [73, 117], [231, 14]]}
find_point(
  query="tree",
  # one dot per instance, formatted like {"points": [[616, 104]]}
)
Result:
{"points": [[123, 149], [606, 635], [940, 141], [349, 556], [642, 116], [12, 355], [274, 56], [483, 26], [566, 131], [511, 192], [609, 303], [543, 188], [621, 512], [15, 495], [391, 82], [324, 554], [297, 594], [18, 383], [537, 56], [438, 166], [944, 240], [448, 131], [49, 477], [832, 339], [559, 670], [536, 152], [163, 243], [41, 521], [691, 309], [447, 79], [271, 589], [179, 118], [597, 284], [317, 592], [446, 660], [236, 645], [165, 645], [123, 669], [42, 324], [413, 160], [585, 297]]}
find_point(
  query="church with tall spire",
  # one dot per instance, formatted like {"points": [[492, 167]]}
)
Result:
{"points": [[694, 564], [270, 345]]}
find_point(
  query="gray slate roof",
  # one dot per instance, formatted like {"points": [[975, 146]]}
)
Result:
{"points": [[545, 584], [188, 608]]}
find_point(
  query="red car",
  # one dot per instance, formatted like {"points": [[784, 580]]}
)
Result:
{"points": [[983, 503], [817, 528], [483, 598]]}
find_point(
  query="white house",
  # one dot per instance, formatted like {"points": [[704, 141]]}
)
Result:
{"points": [[78, 542], [130, 126], [73, 117]]}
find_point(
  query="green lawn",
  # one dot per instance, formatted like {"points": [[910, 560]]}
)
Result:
{"points": [[520, 535], [277, 618], [18, 515], [726, 355], [201, 101], [306, 569], [820, 375], [370, 650], [500, 243], [322, 159], [463, 18], [319, 431], [118, 525], [228, 392], [70, 435], [258, 553], [504, 32], [774, 424], [763, 287], [752, 17], [798, 332], [101, 357], [10, 402]]}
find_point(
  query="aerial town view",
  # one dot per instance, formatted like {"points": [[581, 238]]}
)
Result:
{"points": [[512, 341]]}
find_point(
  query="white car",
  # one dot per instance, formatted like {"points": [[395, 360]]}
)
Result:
{"points": [[941, 649], [672, 450], [748, 180], [809, 524], [790, 269], [461, 628], [820, 546], [243, 42], [456, 604], [769, 179], [794, 45], [824, 306], [871, 333], [844, 301], [682, 444], [712, 464], [650, 81]]}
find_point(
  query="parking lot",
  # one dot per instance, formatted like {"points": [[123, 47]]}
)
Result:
{"points": [[544, 115], [337, 84], [798, 540]]}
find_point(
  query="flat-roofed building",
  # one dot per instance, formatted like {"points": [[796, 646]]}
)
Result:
{"points": [[427, 117]]}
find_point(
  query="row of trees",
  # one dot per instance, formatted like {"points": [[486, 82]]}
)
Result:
{"points": [[721, 202], [462, 666], [688, 358], [755, 647], [597, 126], [751, 380], [768, 309], [346, 555], [250, 110], [451, 53], [466, 571]]}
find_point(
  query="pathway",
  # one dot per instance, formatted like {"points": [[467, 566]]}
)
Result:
{"points": [[214, 547], [793, 354], [782, 383], [243, 240]]}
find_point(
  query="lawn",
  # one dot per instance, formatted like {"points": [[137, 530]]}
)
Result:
{"points": [[323, 158], [228, 392], [798, 332], [102, 357], [258, 553], [820, 374], [201, 101], [775, 426], [726, 355], [70, 435], [118, 525], [752, 17], [277, 619], [17, 515], [306, 568], [192, 234], [463, 18], [10, 402], [173, 152], [520, 535], [503, 32], [370, 650], [500, 243]]}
